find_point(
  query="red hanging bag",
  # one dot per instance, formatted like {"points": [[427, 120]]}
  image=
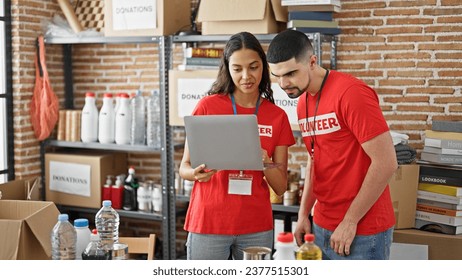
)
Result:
{"points": [[44, 108]]}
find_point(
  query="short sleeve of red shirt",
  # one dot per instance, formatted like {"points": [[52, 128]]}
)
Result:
{"points": [[355, 101]]}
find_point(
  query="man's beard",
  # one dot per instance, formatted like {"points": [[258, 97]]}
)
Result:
{"points": [[299, 91]]}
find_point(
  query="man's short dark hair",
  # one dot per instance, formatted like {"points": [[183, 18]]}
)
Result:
{"points": [[289, 44]]}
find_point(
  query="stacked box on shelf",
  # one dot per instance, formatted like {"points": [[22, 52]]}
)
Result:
{"points": [[312, 16], [196, 58], [233, 16]]}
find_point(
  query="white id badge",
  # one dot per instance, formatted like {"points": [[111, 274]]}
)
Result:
{"points": [[240, 184]]}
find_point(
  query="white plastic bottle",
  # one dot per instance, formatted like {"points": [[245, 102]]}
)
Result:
{"points": [[153, 129], [106, 129], [138, 125], [123, 121], [89, 120], [285, 249], [117, 102], [157, 198], [63, 239], [83, 236], [107, 224]]}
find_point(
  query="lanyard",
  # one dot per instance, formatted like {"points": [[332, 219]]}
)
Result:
{"points": [[241, 172], [313, 136], [234, 104]]}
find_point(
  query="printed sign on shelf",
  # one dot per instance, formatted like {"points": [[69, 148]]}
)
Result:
{"points": [[134, 14], [71, 178], [188, 87]]}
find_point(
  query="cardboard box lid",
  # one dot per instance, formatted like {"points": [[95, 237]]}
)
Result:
{"points": [[17, 217], [21, 189], [239, 10]]}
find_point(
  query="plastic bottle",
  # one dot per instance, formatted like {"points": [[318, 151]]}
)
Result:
{"points": [[107, 224], [117, 193], [285, 249], [89, 119], [153, 129], [123, 121], [130, 191], [157, 198], [138, 124], [94, 250], [83, 236], [117, 102], [309, 250], [106, 129], [63, 239], [107, 188], [144, 197]]}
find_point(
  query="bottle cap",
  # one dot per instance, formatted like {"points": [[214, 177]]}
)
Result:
{"points": [[108, 95], [285, 237], [94, 235], [309, 237], [124, 95], [81, 223], [90, 94], [107, 203], [108, 180], [63, 217]]}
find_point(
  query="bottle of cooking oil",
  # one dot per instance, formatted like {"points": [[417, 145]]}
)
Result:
{"points": [[309, 250]]}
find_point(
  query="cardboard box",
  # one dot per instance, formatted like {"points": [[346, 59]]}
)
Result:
{"points": [[403, 190], [77, 179], [186, 88], [25, 189], [145, 17], [233, 16], [440, 246], [25, 228]]}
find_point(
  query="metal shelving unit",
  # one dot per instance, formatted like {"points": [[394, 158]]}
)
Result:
{"points": [[317, 40], [164, 47]]}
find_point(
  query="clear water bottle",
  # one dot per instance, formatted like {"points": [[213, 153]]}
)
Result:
{"points": [[285, 249], [309, 250], [94, 250], [63, 239], [106, 122], [107, 224], [89, 119], [138, 125], [83, 236], [153, 129], [123, 120]]}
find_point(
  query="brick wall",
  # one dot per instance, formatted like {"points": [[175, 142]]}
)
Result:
{"points": [[409, 51]]}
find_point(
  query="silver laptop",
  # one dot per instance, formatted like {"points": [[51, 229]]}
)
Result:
{"points": [[224, 142]]}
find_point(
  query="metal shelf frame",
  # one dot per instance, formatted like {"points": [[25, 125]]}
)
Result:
{"points": [[164, 47], [317, 40]]}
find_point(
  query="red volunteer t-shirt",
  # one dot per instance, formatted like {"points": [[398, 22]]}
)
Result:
{"points": [[211, 209], [348, 115]]}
